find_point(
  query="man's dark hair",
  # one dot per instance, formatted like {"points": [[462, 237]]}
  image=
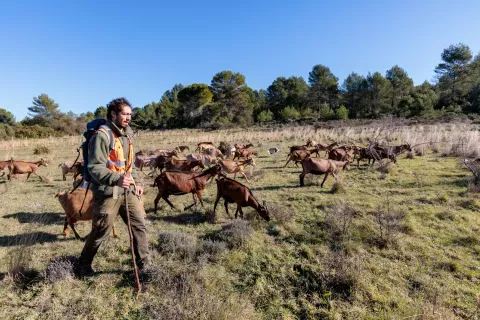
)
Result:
{"points": [[116, 106]]}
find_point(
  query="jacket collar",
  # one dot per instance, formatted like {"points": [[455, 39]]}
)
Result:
{"points": [[118, 131]]}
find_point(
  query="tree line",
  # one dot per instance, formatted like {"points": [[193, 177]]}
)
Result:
{"points": [[228, 101]]}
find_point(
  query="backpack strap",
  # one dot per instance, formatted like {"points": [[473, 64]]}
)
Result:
{"points": [[110, 135]]}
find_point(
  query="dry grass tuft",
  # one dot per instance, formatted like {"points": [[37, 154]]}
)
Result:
{"points": [[20, 274], [339, 218], [474, 167], [41, 150], [255, 175], [420, 150], [389, 223], [338, 187], [47, 180], [210, 216]]}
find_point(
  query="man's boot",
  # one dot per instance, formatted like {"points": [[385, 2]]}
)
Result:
{"points": [[83, 271]]}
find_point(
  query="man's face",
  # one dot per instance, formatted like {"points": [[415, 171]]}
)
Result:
{"points": [[122, 118]]}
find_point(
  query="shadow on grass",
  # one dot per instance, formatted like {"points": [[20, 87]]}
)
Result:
{"points": [[193, 218], [28, 239], [44, 185], [276, 187], [47, 218], [127, 280]]}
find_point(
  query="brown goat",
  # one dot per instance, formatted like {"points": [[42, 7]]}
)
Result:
{"points": [[327, 149], [205, 158], [72, 203], [298, 155], [21, 167], [234, 192], [319, 167], [214, 152], [391, 152], [294, 148], [311, 143], [3, 165], [167, 153], [204, 145], [183, 165], [181, 148], [375, 152], [364, 153], [179, 183], [244, 153], [142, 160], [230, 166], [340, 154], [159, 163], [242, 146], [70, 167]]}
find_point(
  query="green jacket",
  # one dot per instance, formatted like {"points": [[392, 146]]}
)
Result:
{"points": [[98, 152]]}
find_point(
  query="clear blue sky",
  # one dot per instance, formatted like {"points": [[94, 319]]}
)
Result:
{"points": [[83, 53]]}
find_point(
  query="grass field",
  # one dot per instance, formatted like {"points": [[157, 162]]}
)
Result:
{"points": [[398, 245]]}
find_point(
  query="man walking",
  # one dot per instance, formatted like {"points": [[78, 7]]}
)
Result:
{"points": [[110, 164]]}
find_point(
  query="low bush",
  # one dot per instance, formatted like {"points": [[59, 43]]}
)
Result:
{"points": [[389, 223], [177, 244], [236, 234], [19, 272], [339, 218], [60, 268]]}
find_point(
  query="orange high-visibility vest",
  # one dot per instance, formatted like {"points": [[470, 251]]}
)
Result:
{"points": [[116, 159]]}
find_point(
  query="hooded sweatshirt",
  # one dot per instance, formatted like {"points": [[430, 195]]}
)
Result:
{"points": [[98, 152]]}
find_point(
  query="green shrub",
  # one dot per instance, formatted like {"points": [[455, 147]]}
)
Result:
{"points": [[264, 116], [289, 113], [342, 113], [325, 112]]}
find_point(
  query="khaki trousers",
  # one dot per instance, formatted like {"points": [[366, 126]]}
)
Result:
{"points": [[104, 213]]}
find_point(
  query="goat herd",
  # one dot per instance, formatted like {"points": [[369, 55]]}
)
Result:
{"points": [[180, 177]]}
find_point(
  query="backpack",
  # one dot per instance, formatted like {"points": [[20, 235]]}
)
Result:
{"points": [[93, 127]]}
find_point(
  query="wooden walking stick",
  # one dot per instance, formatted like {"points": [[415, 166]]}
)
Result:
{"points": [[129, 227]]}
